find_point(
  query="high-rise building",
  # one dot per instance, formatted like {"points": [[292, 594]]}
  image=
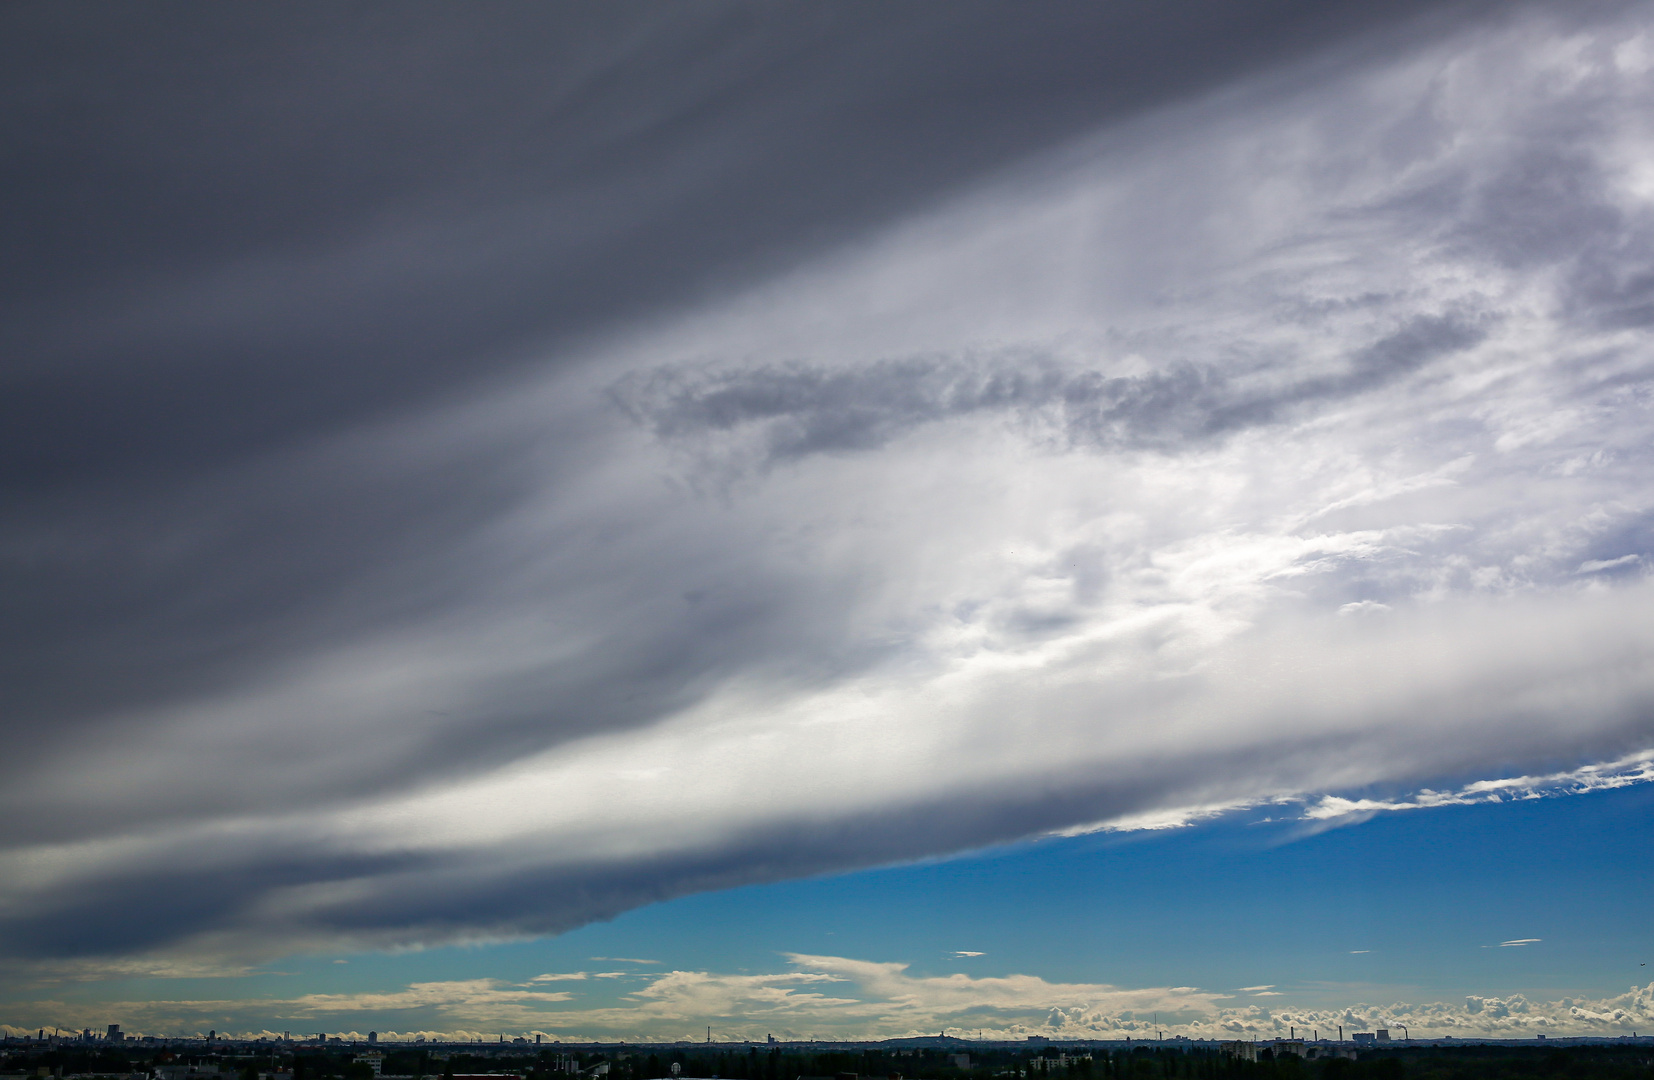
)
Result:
{"points": [[373, 1037]]}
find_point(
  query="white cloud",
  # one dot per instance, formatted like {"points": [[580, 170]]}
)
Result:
{"points": [[1591, 566], [1632, 769], [836, 997]]}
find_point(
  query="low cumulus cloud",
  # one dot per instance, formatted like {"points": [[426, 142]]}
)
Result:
{"points": [[1213, 459], [833, 997]]}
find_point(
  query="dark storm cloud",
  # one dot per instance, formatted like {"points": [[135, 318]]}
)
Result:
{"points": [[231, 231], [801, 409], [227, 227], [221, 586], [293, 526]]}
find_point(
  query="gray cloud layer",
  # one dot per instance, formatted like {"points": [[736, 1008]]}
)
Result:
{"points": [[523, 493], [240, 242], [231, 229], [803, 410]]}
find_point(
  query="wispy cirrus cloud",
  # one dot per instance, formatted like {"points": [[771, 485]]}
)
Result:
{"points": [[1329, 809], [1632, 769]]}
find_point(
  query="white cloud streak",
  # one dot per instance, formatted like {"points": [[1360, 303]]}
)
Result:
{"points": [[1605, 776]]}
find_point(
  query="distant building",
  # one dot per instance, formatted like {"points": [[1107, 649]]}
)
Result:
{"points": [[1060, 1061], [373, 1059], [373, 1038], [1363, 1037], [114, 1034], [1295, 1047], [185, 1072], [1382, 1035]]}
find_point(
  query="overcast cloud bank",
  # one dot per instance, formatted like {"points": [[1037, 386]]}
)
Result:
{"points": [[1287, 443]]}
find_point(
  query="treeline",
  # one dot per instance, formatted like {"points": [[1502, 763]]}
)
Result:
{"points": [[107, 1061], [73, 1059], [1140, 1063], [777, 1063], [1413, 1063]]}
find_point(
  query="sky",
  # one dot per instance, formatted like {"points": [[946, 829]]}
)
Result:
{"points": [[836, 521]]}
